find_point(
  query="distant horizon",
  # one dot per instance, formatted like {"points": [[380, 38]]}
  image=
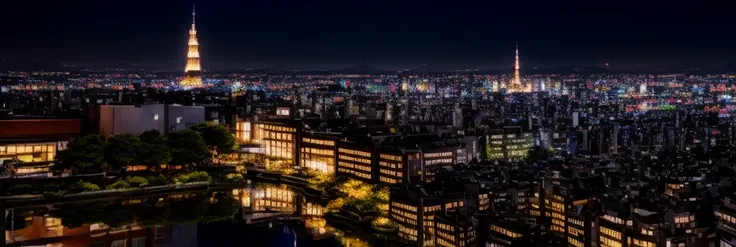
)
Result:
{"points": [[389, 66]]}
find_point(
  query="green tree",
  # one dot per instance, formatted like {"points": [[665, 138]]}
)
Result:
{"points": [[152, 137], [123, 150], [154, 150], [217, 138], [83, 154], [187, 147]]}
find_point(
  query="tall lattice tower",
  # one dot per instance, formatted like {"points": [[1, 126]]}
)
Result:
{"points": [[193, 70], [516, 86], [517, 75]]}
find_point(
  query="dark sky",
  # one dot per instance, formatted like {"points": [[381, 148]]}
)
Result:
{"points": [[390, 34]]}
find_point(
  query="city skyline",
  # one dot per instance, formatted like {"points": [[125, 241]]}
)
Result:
{"points": [[400, 36], [324, 138]]}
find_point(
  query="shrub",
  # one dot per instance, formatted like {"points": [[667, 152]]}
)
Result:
{"points": [[335, 204], [383, 222], [119, 185], [87, 186], [53, 195], [199, 177], [193, 177], [157, 180], [322, 181], [137, 181], [365, 205], [235, 178], [21, 186]]}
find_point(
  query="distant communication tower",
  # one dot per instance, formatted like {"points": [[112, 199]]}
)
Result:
{"points": [[193, 70], [516, 85]]}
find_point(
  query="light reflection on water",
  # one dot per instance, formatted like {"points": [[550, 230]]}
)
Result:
{"points": [[179, 219], [265, 201]]}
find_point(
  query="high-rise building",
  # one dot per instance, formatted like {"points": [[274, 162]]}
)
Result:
{"points": [[193, 70]]}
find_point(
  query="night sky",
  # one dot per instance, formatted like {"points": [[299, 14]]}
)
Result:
{"points": [[388, 34]]}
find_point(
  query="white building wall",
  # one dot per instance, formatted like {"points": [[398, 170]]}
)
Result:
{"points": [[182, 117], [129, 119]]}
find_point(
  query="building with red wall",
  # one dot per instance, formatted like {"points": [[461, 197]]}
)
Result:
{"points": [[35, 142]]}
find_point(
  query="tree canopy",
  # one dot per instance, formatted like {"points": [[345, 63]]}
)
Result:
{"points": [[152, 137], [217, 138], [192, 146], [82, 154], [187, 147], [154, 150], [122, 150]]}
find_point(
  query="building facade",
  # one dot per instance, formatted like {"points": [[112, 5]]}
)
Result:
{"points": [[317, 153], [391, 167], [35, 142], [134, 119], [356, 161]]}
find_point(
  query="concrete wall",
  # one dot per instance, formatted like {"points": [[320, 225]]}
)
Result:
{"points": [[186, 116], [128, 119]]}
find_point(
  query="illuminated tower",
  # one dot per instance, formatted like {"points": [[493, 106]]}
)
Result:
{"points": [[517, 76], [515, 85], [193, 71]]}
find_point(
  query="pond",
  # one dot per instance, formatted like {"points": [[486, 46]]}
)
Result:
{"points": [[257, 215]]}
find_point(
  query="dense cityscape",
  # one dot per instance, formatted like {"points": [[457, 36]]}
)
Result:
{"points": [[362, 156]]}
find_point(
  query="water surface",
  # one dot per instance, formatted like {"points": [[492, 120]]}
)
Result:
{"points": [[258, 215]]}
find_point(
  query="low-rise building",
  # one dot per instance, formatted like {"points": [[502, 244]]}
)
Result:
{"points": [[414, 211], [391, 167], [136, 119], [318, 153], [454, 229], [509, 233], [356, 161], [35, 142]]}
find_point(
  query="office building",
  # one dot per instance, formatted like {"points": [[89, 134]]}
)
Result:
{"points": [[317, 153], [391, 167], [356, 161]]}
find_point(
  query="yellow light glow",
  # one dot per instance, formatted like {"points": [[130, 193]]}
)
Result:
{"points": [[319, 166], [516, 85], [192, 77], [356, 189]]}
